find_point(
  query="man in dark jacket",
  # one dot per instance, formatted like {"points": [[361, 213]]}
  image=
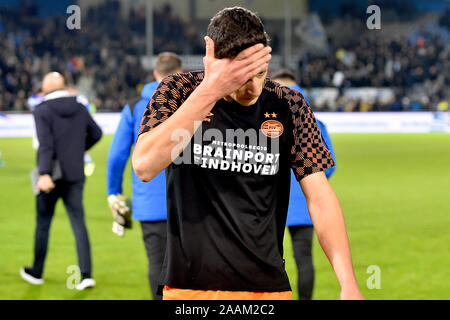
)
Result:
{"points": [[65, 130]]}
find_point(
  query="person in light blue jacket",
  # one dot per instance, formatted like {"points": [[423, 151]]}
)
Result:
{"points": [[299, 221], [148, 199]]}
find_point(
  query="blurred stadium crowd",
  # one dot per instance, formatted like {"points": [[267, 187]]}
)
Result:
{"points": [[416, 67], [103, 59]]}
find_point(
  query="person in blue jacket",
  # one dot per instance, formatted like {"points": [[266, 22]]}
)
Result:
{"points": [[298, 221], [148, 199]]}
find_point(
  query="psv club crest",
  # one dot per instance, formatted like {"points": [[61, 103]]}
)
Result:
{"points": [[272, 128]]}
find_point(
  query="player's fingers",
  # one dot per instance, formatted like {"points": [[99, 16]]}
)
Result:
{"points": [[244, 54], [254, 60], [259, 64], [253, 52], [209, 47]]}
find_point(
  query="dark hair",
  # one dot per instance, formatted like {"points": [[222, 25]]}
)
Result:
{"points": [[284, 74], [235, 29], [167, 63]]}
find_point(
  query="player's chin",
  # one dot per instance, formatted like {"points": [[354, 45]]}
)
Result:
{"points": [[248, 101]]}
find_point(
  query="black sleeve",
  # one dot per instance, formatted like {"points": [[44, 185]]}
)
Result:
{"points": [[46, 140], [93, 133]]}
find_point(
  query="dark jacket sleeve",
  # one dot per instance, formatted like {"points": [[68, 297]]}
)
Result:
{"points": [[46, 140], [93, 134]]}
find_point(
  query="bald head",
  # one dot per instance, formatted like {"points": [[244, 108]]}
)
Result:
{"points": [[52, 81]]}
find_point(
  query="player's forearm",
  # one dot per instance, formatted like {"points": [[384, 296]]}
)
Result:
{"points": [[156, 149], [329, 224]]}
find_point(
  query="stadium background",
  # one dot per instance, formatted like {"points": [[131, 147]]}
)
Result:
{"points": [[393, 186]]}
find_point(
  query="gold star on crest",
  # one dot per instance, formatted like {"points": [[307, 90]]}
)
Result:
{"points": [[274, 115], [267, 115]]}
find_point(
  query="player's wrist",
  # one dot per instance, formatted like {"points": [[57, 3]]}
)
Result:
{"points": [[208, 93]]}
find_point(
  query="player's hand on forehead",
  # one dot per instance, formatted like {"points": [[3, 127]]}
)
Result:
{"points": [[229, 74], [254, 52], [255, 60]]}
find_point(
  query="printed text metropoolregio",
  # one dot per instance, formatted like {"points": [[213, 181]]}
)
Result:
{"points": [[249, 151]]}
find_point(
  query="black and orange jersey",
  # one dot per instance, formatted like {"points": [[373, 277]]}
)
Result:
{"points": [[228, 192]]}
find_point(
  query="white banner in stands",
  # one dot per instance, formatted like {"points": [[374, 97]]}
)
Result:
{"points": [[22, 125], [16, 125], [385, 122]]}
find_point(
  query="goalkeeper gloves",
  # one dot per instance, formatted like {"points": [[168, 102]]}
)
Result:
{"points": [[121, 207]]}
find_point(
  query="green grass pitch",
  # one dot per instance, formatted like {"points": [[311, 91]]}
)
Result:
{"points": [[394, 190]]}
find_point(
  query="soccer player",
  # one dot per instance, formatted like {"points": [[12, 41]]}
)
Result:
{"points": [[298, 220], [149, 199], [229, 138]]}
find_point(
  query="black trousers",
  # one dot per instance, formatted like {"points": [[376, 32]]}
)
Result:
{"points": [[72, 195], [302, 245], [154, 234]]}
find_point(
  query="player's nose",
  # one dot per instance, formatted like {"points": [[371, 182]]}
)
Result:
{"points": [[252, 87]]}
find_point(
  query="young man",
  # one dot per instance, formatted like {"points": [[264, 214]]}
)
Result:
{"points": [[65, 131], [299, 221], [149, 199], [228, 197]]}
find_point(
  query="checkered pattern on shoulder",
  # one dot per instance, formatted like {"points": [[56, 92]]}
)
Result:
{"points": [[309, 153], [171, 93]]}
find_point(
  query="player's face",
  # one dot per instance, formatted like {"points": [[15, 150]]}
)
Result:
{"points": [[249, 93]]}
